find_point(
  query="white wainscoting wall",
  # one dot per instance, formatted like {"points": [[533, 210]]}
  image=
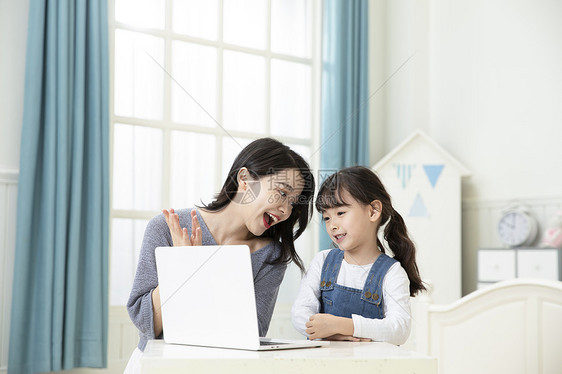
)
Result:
{"points": [[8, 202]]}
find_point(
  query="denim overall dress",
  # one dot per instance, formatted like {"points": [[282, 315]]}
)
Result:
{"points": [[344, 301]]}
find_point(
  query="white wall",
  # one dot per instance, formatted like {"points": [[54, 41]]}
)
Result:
{"points": [[485, 82], [13, 36], [496, 89], [399, 87]]}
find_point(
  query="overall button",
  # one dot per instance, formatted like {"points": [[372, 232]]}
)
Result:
{"points": [[323, 283], [368, 295], [375, 296], [328, 284]]}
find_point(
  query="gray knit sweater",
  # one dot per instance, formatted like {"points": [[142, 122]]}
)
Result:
{"points": [[267, 277]]}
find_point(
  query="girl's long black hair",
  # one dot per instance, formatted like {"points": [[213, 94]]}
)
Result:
{"points": [[267, 156], [364, 186]]}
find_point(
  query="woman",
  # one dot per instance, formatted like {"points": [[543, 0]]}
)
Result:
{"points": [[264, 203]]}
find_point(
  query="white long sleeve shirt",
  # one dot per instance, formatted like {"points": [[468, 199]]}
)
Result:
{"points": [[393, 328]]}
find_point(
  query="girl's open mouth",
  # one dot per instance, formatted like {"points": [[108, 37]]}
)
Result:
{"points": [[340, 237]]}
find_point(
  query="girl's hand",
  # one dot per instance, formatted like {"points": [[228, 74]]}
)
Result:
{"points": [[348, 338], [326, 325], [180, 236]]}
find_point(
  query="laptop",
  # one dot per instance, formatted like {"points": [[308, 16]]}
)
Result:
{"points": [[207, 299]]}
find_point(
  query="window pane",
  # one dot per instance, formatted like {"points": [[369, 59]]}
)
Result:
{"points": [[192, 164], [291, 27], [196, 18], [137, 167], [292, 279], [139, 80], [244, 92], [194, 90], [125, 248], [305, 152], [231, 147], [290, 99], [302, 150], [141, 13], [245, 23]]}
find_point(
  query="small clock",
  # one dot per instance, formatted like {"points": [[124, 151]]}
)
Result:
{"points": [[517, 226]]}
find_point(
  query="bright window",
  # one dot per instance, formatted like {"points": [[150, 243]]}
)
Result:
{"points": [[192, 83]]}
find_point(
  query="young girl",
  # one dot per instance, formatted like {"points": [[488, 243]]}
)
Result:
{"points": [[264, 203], [358, 292]]}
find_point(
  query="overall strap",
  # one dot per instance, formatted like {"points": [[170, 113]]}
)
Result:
{"points": [[372, 291], [331, 269]]}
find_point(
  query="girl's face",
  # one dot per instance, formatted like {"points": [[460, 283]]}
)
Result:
{"points": [[353, 227], [269, 200]]}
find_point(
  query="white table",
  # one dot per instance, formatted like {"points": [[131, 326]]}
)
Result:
{"points": [[339, 357]]}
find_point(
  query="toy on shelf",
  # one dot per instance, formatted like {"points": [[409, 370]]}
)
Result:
{"points": [[552, 236]]}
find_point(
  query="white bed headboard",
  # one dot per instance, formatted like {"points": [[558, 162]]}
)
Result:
{"points": [[511, 327]]}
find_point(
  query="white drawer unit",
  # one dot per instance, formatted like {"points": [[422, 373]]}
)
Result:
{"points": [[496, 264], [538, 263]]}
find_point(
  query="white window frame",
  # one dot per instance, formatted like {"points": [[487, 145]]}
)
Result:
{"points": [[167, 126]]}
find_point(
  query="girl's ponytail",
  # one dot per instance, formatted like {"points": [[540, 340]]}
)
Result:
{"points": [[404, 250]]}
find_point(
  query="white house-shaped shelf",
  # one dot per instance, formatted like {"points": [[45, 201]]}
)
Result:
{"points": [[424, 181]]}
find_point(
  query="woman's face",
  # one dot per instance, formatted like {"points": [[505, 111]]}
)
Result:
{"points": [[269, 200]]}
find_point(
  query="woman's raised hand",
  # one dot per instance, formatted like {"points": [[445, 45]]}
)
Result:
{"points": [[180, 236]]}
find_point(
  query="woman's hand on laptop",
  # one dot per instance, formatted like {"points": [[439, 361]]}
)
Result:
{"points": [[180, 236]]}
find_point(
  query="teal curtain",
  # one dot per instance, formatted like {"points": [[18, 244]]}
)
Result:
{"points": [[59, 317], [345, 89]]}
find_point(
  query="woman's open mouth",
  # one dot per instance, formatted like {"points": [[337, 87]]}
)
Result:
{"points": [[269, 219]]}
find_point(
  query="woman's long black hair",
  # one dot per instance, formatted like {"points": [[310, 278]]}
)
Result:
{"points": [[364, 186], [267, 156]]}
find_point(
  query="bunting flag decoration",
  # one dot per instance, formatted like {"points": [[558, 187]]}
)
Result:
{"points": [[418, 208], [404, 173], [433, 172]]}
